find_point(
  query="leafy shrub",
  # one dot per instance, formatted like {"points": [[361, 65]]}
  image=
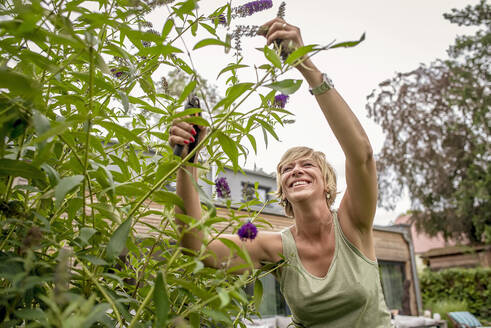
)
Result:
{"points": [[80, 161], [453, 287]]}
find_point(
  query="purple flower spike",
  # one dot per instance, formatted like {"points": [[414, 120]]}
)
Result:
{"points": [[222, 187], [247, 231], [254, 7], [280, 100]]}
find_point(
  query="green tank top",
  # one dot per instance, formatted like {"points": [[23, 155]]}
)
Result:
{"points": [[350, 295]]}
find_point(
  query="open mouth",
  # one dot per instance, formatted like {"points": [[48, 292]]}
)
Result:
{"points": [[299, 183]]}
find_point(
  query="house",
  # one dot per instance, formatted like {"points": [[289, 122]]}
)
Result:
{"points": [[437, 253]]}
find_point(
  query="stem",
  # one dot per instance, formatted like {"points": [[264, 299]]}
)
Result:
{"points": [[103, 292], [140, 309]]}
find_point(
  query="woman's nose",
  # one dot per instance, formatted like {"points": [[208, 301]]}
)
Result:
{"points": [[297, 170]]}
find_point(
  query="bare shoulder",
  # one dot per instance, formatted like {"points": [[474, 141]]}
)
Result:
{"points": [[272, 245]]}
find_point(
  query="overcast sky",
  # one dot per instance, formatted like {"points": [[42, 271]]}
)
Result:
{"points": [[399, 36]]}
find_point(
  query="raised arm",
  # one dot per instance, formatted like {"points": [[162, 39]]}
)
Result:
{"points": [[219, 255], [360, 199]]}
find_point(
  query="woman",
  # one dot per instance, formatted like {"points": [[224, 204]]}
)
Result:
{"points": [[331, 278]]}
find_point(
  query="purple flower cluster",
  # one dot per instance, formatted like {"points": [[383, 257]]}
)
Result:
{"points": [[222, 187], [280, 100], [247, 231], [222, 19], [253, 7], [116, 73]]}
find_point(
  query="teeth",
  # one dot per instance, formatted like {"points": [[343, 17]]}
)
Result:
{"points": [[298, 183]]}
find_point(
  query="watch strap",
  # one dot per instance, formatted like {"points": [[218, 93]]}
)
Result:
{"points": [[323, 87]]}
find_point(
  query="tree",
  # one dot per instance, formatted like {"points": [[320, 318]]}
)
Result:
{"points": [[437, 122]]}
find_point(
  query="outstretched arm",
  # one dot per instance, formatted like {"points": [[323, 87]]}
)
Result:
{"points": [[360, 199], [219, 255]]}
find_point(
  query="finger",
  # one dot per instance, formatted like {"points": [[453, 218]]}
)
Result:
{"points": [[176, 140], [178, 131], [271, 22], [184, 126], [283, 35], [280, 25], [263, 29]]}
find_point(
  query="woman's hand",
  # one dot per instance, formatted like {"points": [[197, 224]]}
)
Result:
{"points": [[284, 35], [185, 134]]}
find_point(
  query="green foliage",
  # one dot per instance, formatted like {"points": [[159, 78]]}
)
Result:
{"points": [[436, 119], [83, 153], [451, 286]]}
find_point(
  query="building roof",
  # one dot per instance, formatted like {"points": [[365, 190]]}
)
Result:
{"points": [[422, 241], [452, 250]]}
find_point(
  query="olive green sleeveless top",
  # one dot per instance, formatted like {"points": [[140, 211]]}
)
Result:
{"points": [[350, 295]]}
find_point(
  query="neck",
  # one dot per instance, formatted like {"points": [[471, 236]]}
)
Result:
{"points": [[312, 221]]}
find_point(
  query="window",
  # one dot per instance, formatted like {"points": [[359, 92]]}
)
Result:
{"points": [[395, 286], [249, 192]]}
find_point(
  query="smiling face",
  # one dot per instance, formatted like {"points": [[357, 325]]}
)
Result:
{"points": [[302, 179], [303, 174]]}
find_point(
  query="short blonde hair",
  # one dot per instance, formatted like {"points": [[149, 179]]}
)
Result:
{"points": [[319, 158]]}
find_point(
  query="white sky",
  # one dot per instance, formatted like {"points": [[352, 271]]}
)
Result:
{"points": [[399, 36]]}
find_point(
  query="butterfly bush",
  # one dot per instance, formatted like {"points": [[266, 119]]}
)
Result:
{"points": [[88, 233]]}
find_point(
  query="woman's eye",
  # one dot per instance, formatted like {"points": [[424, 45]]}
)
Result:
{"points": [[286, 169]]}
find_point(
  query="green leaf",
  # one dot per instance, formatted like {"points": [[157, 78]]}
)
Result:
{"points": [[272, 56], [93, 259], [231, 67], [41, 123], [107, 211], [65, 186], [198, 120], [15, 168], [348, 44], [233, 93], [229, 147], [120, 131], [286, 87], [210, 42], [96, 314], [53, 175], [268, 127], [298, 53], [186, 8], [258, 293], [167, 198], [161, 301], [118, 240], [234, 247], [124, 101], [252, 140], [224, 297], [30, 314], [18, 83], [85, 234], [187, 90], [169, 24]]}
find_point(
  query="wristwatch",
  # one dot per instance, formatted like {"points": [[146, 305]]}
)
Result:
{"points": [[323, 87]]}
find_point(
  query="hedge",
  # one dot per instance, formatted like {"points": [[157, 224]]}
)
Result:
{"points": [[470, 285]]}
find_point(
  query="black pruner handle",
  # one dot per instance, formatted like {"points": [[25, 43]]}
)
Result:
{"points": [[193, 102]]}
